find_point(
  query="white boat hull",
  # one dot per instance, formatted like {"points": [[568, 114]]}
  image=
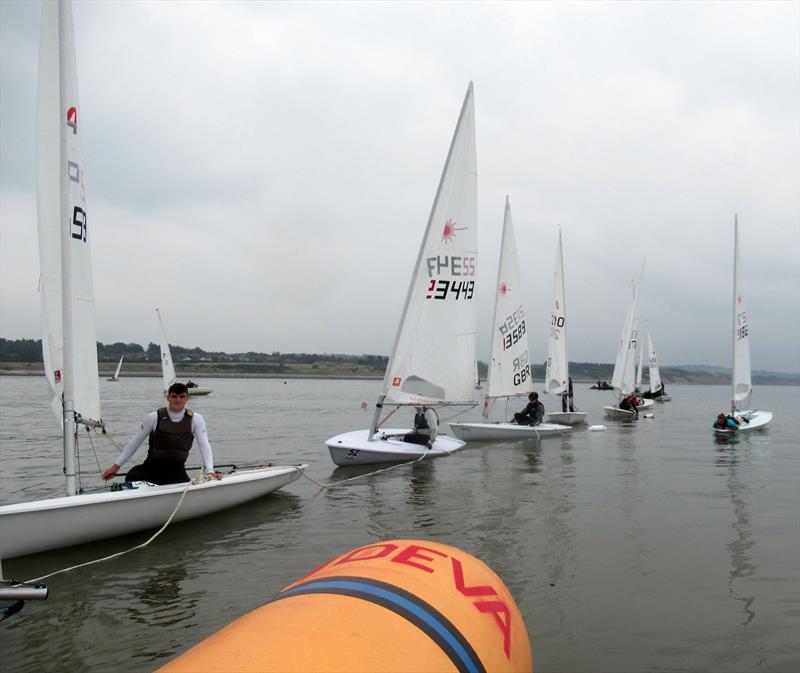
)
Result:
{"points": [[663, 398], [618, 414], [567, 417], [355, 448], [32, 527], [197, 392], [506, 431], [758, 421]]}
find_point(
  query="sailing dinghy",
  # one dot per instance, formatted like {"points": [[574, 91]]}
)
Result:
{"points": [[556, 378], [70, 346], [656, 391], [168, 367], [433, 359], [509, 368], [623, 380], [115, 375], [742, 387]]}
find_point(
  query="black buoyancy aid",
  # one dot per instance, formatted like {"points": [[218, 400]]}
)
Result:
{"points": [[171, 441], [421, 423]]}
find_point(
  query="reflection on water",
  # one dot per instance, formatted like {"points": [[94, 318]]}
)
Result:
{"points": [[741, 567]]}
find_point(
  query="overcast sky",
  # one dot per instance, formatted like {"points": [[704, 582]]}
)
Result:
{"points": [[263, 172]]}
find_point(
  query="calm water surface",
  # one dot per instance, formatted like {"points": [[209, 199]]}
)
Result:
{"points": [[648, 547]]}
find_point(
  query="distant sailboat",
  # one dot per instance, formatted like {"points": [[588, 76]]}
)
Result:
{"points": [[556, 378], [742, 388], [115, 376], [623, 380], [168, 367], [509, 368], [657, 391], [433, 359]]}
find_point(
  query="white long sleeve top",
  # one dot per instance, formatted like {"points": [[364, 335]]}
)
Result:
{"points": [[149, 424]]}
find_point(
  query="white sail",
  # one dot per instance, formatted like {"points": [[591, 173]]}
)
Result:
{"points": [[742, 385], [509, 368], [167, 367], [119, 367], [624, 370], [639, 367], [556, 376], [434, 352], [69, 341], [655, 374]]}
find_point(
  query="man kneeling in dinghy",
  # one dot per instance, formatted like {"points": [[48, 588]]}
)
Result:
{"points": [[532, 414], [172, 430], [426, 427]]}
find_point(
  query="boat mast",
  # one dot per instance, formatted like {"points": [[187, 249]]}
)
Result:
{"points": [[68, 373], [733, 304], [386, 379]]}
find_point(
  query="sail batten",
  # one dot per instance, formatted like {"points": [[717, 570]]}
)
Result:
{"points": [[434, 353]]}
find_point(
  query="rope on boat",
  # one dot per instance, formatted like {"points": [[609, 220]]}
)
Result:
{"points": [[121, 553], [360, 476]]}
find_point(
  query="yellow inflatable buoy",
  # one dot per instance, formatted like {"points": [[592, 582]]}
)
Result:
{"points": [[398, 605]]}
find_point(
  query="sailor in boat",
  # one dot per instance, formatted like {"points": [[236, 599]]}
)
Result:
{"points": [[171, 431], [532, 414], [191, 384], [426, 427], [567, 402], [725, 422], [630, 403], [651, 395]]}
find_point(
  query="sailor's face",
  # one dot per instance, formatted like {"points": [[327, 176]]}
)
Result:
{"points": [[177, 402]]}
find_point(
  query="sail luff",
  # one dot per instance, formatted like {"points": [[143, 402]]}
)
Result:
{"points": [[119, 367], [439, 309]]}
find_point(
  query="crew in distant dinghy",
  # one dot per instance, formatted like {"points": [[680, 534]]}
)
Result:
{"points": [[171, 431]]}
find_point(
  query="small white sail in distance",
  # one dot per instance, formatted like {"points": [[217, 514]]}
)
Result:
{"points": [[119, 367], [741, 380], [167, 367], [434, 352], [655, 374], [556, 376], [624, 370], [509, 367]]}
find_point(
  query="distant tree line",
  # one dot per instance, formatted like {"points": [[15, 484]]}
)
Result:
{"points": [[29, 350]]}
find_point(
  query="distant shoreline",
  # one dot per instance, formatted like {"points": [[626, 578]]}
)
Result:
{"points": [[696, 380]]}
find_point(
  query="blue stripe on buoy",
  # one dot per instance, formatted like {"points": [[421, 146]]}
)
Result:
{"points": [[423, 615]]}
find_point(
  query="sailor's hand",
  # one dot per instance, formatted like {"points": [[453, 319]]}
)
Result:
{"points": [[429, 445], [110, 473], [215, 475]]}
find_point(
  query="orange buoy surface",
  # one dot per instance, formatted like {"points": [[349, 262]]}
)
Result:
{"points": [[399, 605]]}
